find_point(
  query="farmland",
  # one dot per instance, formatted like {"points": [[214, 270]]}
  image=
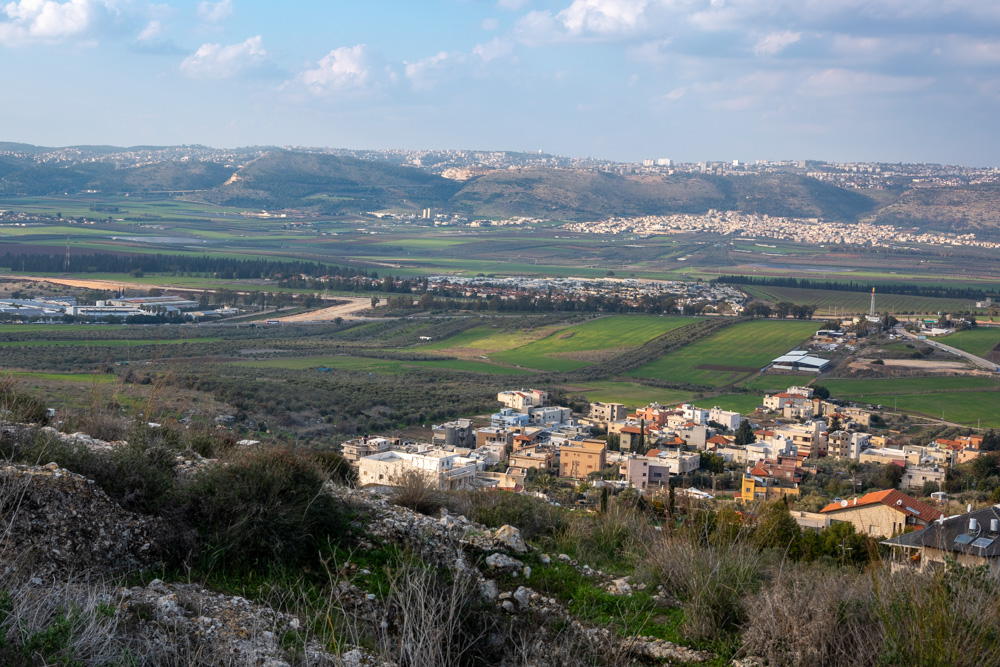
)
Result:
{"points": [[832, 302], [384, 366], [729, 355], [980, 341], [631, 394], [579, 346]]}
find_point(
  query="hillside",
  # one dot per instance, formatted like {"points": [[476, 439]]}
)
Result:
{"points": [[948, 209], [330, 184]]}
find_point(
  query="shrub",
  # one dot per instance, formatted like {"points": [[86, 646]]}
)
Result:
{"points": [[15, 405], [415, 491], [534, 517], [813, 617], [264, 507]]}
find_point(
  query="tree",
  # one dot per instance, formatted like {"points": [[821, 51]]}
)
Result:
{"points": [[745, 435], [375, 301], [712, 462], [835, 424], [776, 527], [983, 466], [892, 475], [819, 391]]}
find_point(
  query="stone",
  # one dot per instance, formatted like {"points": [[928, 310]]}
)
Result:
{"points": [[498, 561], [522, 597], [509, 538], [545, 559], [489, 590]]}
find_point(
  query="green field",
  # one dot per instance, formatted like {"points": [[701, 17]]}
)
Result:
{"points": [[863, 389], [575, 347], [771, 383], [100, 378], [979, 341], [384, 366], [631, 394], [742, 403], [730, 355], [103, 343], [849, 303], [973, 408]]}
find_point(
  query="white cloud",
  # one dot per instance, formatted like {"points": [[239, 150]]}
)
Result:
{"points": [[602, 16], [650, 52], [425, 72], [490, 24], [835, 82], [213, 12], [496, 48], [345, 68], [214, 61], [776, 42], [153, 29], [45, 20]]}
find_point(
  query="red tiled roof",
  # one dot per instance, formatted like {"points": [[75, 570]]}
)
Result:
{"points": [[893, 499], [717, 440], [653, 452]]}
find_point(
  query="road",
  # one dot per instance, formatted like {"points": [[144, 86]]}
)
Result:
{"points": [[979, 361]]}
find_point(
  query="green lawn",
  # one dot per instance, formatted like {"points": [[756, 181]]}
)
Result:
{"points": [[979, 341], [742, 403], [770, 383], [730, 355], [616, 333]]}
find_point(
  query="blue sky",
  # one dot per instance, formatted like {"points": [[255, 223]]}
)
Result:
{"points": [[889, 80]]}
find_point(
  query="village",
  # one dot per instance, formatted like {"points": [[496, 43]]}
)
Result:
{"points": [[669, 453]]}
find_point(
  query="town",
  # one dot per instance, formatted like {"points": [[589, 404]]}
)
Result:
{"points": [[710, 455]]}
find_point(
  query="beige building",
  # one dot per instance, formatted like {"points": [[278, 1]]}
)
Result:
{"points": [[579, 458], [355, 450], [882, 513], [607, 412], [542, 458], [444, 470]]}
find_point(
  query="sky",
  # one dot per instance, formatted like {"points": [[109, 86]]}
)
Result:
{"points": [[690, 80]]}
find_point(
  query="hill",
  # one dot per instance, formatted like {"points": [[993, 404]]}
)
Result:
{"points": [[330, 184]]}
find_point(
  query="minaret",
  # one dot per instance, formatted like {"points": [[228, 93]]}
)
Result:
{"points": [[871, 312]]}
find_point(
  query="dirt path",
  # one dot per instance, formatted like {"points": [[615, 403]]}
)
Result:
{"points": [[344, 310]]}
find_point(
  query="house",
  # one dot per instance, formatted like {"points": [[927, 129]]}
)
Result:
{"points": [[541, 457], [549, 415], [630, 436], [579, 458], [457, 433], [357, 449], [968, 539], [727, 418], [914, 477], [770, 480], [603, 413], [509, 418], [654, 471], [883, 513], [809, 438], [443, 470], [777, 402], [523, 400], [695, 435], [653, 414], [845, 445]]}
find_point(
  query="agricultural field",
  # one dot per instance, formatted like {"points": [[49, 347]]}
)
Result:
{"points": [[971, 401], [383, 366], [581, 345], [631, 394], [980, 341], [730, 355], [771, 382], [832, 302]]}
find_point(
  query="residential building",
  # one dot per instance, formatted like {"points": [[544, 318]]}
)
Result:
{"points": [[630, 437], [541, 457], [523, 400], [883, 513], [646, 472], [809, 438], [968, 539], [443, 470], [549, 415], [770, 480], [509, 418], [581, 457], [355, 450], [914, 477], [607, 412], [695, 435], [457, 433], [727, 418], [846, 445]]}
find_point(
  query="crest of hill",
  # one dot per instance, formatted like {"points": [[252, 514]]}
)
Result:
{"points": [[575, 194], [330, 183], [945, 208]]}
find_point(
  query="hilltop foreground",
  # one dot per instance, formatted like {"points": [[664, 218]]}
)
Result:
{"points": [[177, 545]]}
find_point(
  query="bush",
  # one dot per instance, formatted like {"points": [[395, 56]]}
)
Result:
{"points": [[534, 517], [264, 507], [17, 406], [415, 491]]}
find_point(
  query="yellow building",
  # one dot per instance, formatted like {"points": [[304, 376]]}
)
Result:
{"points": [[579, 458]]}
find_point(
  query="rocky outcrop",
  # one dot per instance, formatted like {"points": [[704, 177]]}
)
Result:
{"points": [[54, 523]]}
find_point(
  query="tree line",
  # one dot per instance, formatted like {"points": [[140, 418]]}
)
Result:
{"points": [[941, 291]]}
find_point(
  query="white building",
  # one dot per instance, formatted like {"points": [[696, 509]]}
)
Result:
{"points": [[731, 420], [444, 470]]}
